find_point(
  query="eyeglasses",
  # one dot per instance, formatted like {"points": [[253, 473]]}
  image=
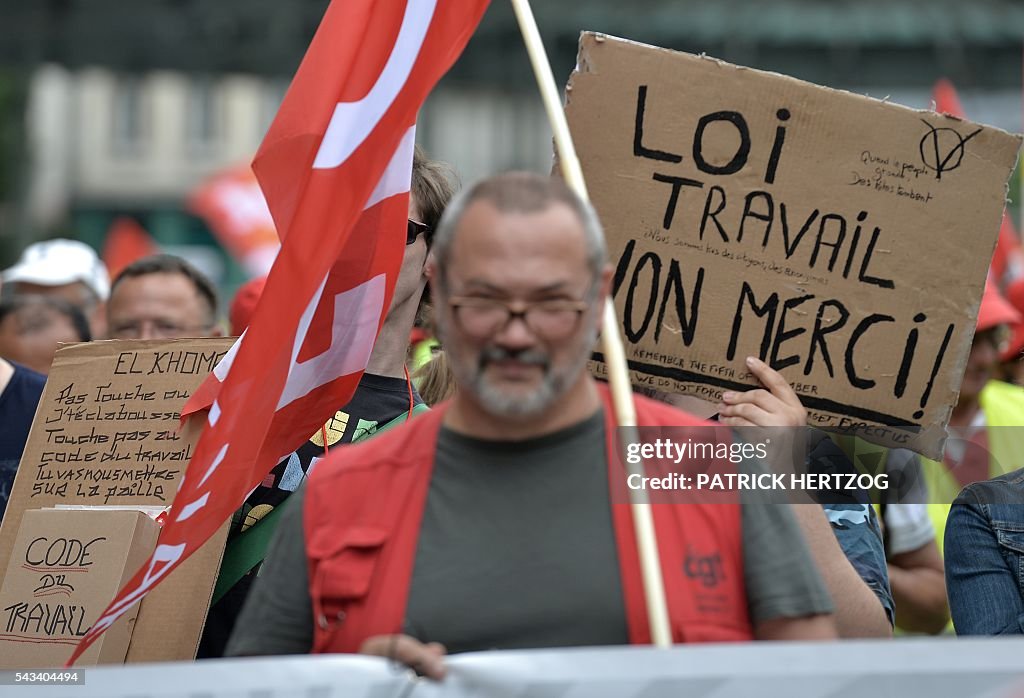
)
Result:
{"points": [[156, 329], [415, 229], [485, 317]]}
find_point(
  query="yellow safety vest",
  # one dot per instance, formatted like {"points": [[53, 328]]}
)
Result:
{"points": [[423, 352], [1003, 406]]}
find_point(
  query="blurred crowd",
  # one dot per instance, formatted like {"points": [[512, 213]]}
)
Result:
{"points": [[519, 274]]}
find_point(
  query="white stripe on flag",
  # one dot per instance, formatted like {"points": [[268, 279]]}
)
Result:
{"points": [[352, 122], [193, 507], [215, 408], [395, 180], [215, 463], [222, 368], [357, 314], [398, 176]]}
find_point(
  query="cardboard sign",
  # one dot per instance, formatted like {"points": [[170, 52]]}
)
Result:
{"points": [[65, 568], [841, 239], [106, 433]]}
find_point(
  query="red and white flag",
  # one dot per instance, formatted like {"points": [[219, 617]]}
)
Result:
{"points": [[1007, 268], [335, 168], [232, 205]]}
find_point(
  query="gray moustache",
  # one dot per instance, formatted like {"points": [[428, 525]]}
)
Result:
{"points": [[528, 357]]}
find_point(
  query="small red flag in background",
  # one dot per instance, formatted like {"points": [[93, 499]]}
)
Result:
{"points": [[1008, 259], [233, 207], [947, 101], [335, 168], [126, 242]]}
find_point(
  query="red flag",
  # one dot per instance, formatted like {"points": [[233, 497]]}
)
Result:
{"points": [[126, 242], [1008, 258], [335, 168], [946, 99], [1008, 262], [233, 207]]}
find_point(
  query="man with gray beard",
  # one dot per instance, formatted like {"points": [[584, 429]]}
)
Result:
{"points": [[494, 521]]}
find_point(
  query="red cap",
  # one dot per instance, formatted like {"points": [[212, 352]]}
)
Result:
{"points": [[995, 310], [244, 304], [1015, 347], [1015, 294]]}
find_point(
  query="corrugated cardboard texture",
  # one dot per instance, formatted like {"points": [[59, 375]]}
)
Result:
{"points": [[173, 614], [840, 238], [106, 433], [65, 568]]}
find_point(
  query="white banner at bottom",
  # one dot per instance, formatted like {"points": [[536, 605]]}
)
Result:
{"points": [[938, 668]]}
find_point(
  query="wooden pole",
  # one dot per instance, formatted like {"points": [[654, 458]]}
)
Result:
{"points": [[611, 339]]}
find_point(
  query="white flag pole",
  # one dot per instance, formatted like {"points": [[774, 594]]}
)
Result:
{"points": [[611, 339]]}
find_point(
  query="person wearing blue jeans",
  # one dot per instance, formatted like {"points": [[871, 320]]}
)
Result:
{"points": [[984, 547]]}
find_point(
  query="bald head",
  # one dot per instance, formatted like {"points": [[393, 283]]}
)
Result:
{"points": [[522, 193]]}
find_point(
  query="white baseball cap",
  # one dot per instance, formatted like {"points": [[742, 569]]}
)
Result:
{"points": [[58, 262]]}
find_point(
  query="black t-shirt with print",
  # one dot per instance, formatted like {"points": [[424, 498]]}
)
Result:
{"points": [[377, 401]]}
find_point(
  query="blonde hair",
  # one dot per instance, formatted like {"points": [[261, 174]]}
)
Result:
{"points": [[435, 380]]}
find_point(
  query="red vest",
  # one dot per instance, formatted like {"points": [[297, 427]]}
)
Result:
{"points": [[362, 519]]}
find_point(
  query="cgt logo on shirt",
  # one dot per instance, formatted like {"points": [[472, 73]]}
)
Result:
{"points": [[707, 568]]}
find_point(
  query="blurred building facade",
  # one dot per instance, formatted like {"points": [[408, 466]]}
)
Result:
{"points": [[132, 105], [105, 143], [101, 139]]}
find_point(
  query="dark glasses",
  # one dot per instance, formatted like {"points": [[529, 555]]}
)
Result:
{"points": [[414, 229]]}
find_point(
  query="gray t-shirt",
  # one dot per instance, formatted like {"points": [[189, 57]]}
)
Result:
{"points": [[517, 549]]}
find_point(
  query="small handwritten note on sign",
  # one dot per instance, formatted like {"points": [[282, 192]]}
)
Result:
{"points": [[841, 239], [65, 568], [106, 430]]}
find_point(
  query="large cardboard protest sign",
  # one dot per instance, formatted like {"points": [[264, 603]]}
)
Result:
{"points": [[106, 433], [841, 239], [65, 567]]}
